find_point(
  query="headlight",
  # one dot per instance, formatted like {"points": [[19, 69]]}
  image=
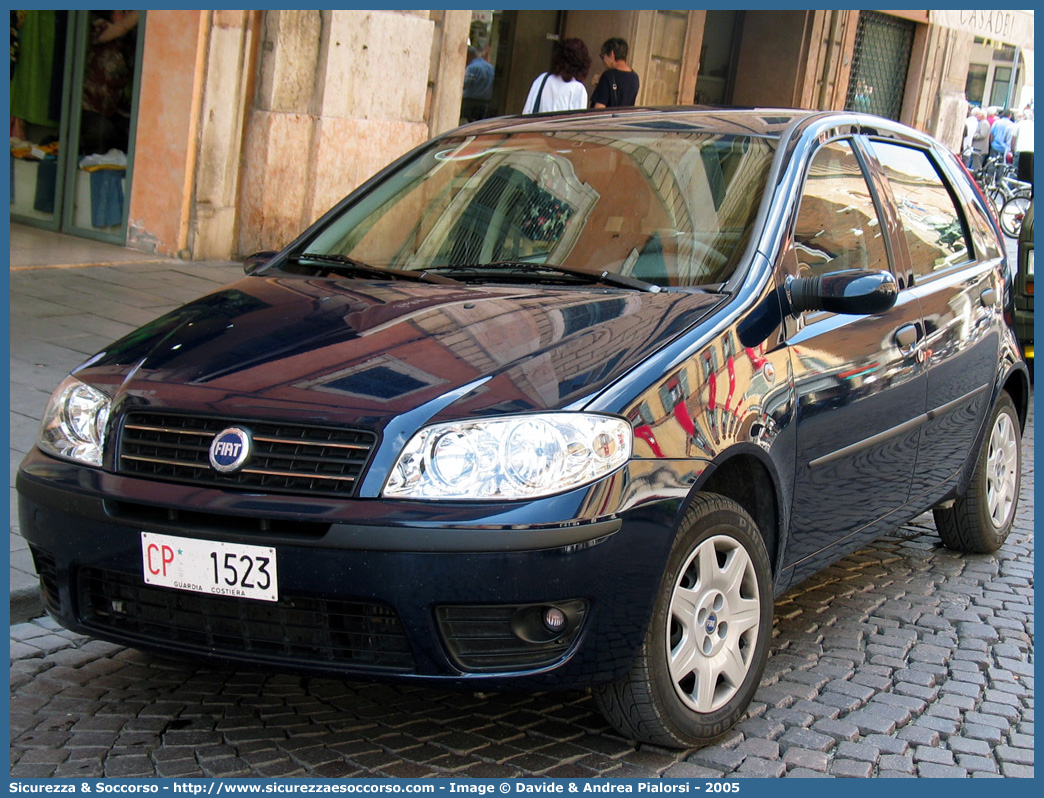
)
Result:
{"points": [[520, 457], [74, 422]]}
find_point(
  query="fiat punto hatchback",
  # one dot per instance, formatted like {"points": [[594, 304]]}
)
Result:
{"points": [[552, 401]]}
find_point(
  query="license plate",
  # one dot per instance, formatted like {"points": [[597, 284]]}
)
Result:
{"points": [[208, 566]]}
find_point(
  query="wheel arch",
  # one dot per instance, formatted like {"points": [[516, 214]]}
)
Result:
{"points": [[748, 480], [1016, 385]]}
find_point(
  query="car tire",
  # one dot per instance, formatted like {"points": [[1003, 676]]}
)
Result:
{"points": [[979, 521], [712, 619]]}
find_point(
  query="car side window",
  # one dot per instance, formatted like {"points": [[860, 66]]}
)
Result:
{"points": [[935, 233], [837, 226]]}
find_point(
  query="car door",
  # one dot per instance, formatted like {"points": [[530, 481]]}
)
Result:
{"points": [[954, 276], [858, 380]]}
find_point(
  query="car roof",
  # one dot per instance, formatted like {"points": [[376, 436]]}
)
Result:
{"points": [[767, 122], [753, 121]]}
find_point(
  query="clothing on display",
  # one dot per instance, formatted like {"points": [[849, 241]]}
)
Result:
{"points": [[36, 80], [46, 184], [107, 197]]}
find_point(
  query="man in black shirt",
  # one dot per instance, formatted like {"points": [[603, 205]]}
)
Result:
{"points": [[618, 85]]}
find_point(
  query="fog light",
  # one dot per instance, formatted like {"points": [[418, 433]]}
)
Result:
{"points": [[489, 638], [554, 619]]}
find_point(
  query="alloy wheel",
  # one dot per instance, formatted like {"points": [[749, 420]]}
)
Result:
{"points": [[712, 623], [1002, 462]]}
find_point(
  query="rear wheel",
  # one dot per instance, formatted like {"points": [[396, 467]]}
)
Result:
{"points": [[1012, 212], [979, 521], [707, 643]]}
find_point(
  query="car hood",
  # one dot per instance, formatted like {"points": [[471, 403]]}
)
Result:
{"points": [[361, 352]]}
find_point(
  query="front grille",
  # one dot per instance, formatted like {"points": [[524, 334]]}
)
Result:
{"points": [[286, 458], [178, 521], [302, 630]]}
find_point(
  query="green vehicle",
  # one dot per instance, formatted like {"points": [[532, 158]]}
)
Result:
{"points": [[1024, 289]]}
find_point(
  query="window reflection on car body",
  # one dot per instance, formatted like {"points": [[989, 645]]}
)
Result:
{"points": [[606, 277], [344, 263]]}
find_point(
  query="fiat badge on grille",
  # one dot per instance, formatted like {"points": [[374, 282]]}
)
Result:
{"points": [[230, 449]]}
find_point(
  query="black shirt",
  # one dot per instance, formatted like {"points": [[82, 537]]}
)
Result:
{"points": [[616, 88]]}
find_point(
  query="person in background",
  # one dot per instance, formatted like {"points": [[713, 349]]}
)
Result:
{"points": [[562, 87], [980, 146], [971, 123], [618, 85], [107, 79], [1000, 141], [1022, 146], [1000, 134], [119, 24], [478, 86]]}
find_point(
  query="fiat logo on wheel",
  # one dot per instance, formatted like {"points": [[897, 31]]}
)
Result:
{"points": [[230, 449]]}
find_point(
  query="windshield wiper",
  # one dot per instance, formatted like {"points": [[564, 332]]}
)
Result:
{"points": [[345, 264], [603, 277]]}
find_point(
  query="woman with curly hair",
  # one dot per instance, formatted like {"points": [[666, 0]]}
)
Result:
{"points": [[562, 87]]}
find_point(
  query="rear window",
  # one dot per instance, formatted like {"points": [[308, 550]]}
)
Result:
{"points": [[670, 208]]}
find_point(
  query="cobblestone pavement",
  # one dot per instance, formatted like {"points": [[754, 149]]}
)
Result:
{"points": [[904, 659], [62, 315]]}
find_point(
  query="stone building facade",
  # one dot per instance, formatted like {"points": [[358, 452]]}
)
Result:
{"points": [[249, 125]]}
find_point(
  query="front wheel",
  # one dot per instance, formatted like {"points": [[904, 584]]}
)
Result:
{"points": [[979, 521], [1012, 212], [707, 643]]}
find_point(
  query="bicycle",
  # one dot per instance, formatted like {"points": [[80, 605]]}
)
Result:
{"points": [[1006, 186], [985, 177], [1008, 197], [1012, 212], [986, 173]]}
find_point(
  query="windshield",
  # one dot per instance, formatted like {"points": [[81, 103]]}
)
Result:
{"points": [[667, 208]]}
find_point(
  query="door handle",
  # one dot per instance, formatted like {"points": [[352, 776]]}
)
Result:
{"points": [[911, 341], [906, 338], [988, 298]]}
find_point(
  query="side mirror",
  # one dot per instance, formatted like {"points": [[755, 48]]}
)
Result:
{"points": [[857, 292], [254, 263]]}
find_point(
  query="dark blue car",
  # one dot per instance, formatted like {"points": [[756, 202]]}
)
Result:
{"points": [[552, 401]]}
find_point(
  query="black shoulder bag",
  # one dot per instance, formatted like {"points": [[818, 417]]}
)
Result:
{"points": [[540, 91]]}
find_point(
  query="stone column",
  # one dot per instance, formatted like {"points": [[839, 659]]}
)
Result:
{"points": [[231, 63], [341, 94]]}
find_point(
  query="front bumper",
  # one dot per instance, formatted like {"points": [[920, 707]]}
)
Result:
{"points": [[418, 600]]}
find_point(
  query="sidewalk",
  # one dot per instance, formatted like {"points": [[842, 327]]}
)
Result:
{"points": [[70, 297]]}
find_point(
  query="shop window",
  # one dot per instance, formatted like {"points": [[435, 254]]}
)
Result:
{"points": [[975, 86], [1001, 88], [880, 61], [72, 102], [1005, 53]]}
